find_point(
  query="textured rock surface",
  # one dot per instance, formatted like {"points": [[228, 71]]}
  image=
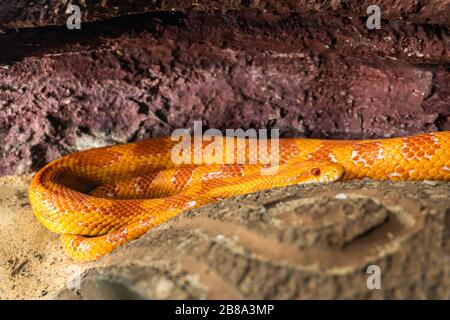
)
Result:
{"points": [[298, 242], [23, 13], [141, 76]]}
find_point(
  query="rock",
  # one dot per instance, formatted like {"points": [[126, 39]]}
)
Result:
{"points": [[22, 13], [143, 76], [300, 242]]}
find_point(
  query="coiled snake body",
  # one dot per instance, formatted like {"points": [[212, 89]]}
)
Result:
{"points": [[101, 198]]}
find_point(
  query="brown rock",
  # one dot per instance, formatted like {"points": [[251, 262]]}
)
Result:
{"points": [[20, 13], [142, 76], [304, 242]]}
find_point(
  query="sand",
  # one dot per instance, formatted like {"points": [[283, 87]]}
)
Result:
{"points": [[33, 264]]}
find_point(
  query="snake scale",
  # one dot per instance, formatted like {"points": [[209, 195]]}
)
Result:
{"points": [[101, 198]]}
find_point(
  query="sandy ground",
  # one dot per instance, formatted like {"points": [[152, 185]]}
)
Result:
{"points": [[33, 264]]}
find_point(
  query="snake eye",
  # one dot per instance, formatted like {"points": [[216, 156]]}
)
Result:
{"points": [[315, 172]]}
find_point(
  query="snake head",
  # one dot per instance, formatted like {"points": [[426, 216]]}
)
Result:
{"points": [[322, 171], [305, 172]]}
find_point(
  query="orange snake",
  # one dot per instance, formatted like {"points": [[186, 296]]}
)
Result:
{"points": [[101, 198]]}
